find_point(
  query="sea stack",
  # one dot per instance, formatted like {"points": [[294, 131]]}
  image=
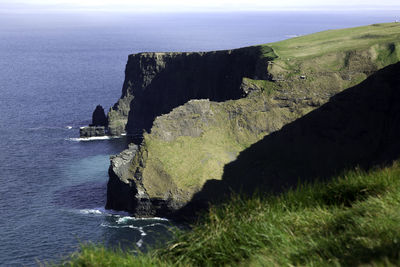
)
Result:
{"points": [[99, 117], [98, 125]]}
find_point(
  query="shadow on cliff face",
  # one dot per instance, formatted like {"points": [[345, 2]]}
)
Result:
{"points": [[358, 127], [180, 77]]}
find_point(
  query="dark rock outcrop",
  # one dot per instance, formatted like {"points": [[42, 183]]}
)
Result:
{"points": [[121, 195], [92, 131], [99, 117]]}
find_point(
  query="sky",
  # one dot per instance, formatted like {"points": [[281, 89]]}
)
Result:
{"points": [[194, 5]]}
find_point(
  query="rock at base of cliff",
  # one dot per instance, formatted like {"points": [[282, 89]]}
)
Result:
{"points": [[116, 130], [120, 194], [92, 131]]}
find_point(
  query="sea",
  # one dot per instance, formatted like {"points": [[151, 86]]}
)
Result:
{"points": [[54, 69]]}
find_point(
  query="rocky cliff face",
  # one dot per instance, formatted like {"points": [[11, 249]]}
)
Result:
{"points": [[201, 111], [155, 83]]}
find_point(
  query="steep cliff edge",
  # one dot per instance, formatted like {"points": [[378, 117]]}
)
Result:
{"points": [[252, 93], [155, 83]]}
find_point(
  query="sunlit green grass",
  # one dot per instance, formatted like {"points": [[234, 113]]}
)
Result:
{"points": [[325, 42]]}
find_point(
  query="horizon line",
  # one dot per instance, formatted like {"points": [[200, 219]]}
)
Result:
{"points": [[190, 11], [70, 8]]}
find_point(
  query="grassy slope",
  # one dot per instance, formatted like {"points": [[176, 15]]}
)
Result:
{"points": [[331, 61], [347, 53], [352, 220], [336, 40]]}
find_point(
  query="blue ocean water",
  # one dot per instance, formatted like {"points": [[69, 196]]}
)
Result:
{"points": [[54, 70]]}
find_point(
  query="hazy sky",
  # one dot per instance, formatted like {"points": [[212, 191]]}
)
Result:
{"points": [[194, 5]]}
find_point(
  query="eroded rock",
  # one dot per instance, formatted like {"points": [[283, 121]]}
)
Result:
{"points": [[92, 131], [99, 117]]}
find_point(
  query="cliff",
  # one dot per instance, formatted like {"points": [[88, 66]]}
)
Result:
{"points": [[155, 83], [243, 97]]}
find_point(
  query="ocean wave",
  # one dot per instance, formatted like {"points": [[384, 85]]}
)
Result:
{"points": [[139, 228], [119, 226], [156, 224], [94, 138], [91, 211], [95, 211], [103, 211], [126, 219], [86, 139], [122, 216]]}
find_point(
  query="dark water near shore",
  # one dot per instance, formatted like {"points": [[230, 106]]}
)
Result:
{"points": [[54, 70]]}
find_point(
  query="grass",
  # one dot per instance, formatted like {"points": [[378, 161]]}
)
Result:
{"points": [[340, 58], [352, 220], [333, 41], [91, 255], [187, 162]]}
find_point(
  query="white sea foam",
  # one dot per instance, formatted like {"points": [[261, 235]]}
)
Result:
{"points": [[103, 211], [138, 228], [125, 219], [154, 224], [94, 138], [154, 218], [122, 217], [118, 226], [90, 211], [121, 223], [85, 139], [139, 243], [115, 213], [68, 127]]}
